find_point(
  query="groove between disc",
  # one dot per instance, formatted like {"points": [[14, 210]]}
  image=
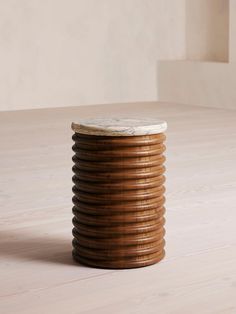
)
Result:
{"points": [[117, 252], [108, 198], [121, 185], [119, 163], [122, 240], [119, 207], [102, 142], [121, 263], [126, 174], [141, 151], [113, 231], [114, 219]]}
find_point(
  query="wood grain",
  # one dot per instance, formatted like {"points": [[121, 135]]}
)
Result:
{"points": [[113, 191]]}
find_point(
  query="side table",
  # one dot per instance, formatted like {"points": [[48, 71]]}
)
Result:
{"points": [[118, 192]]}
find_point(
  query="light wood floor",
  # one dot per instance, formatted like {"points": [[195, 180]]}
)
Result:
{"points": [[37, 274]]}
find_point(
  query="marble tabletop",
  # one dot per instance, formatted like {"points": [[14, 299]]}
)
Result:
{"points": [[119, 126]]}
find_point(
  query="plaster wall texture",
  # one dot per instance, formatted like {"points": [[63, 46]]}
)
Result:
{"points": [[78, 52]]}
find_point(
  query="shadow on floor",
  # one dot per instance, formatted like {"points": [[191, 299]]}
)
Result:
{"points": [[23, 246]]}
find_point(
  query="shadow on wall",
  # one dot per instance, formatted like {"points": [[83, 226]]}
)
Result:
{"points": [[200, 78]]}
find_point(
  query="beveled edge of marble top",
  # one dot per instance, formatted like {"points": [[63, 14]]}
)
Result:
{"points": [[119, 126]]}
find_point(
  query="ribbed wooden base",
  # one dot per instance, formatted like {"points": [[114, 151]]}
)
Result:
{"points": [[118, 200]]}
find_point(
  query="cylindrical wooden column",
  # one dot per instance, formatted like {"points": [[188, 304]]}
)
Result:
{"points": [[118, 199]]}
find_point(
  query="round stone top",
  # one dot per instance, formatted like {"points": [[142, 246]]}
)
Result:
{"points": [[119, 126]]}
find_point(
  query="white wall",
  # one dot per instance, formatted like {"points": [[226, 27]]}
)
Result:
{"points": [[195, 81], [210, 84], [207, 30], [75, 52]]}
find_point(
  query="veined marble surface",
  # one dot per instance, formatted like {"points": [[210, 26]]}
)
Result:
{"points": [[119, 126]]}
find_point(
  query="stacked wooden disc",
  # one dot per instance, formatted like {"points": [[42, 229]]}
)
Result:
{"points": [[118, 200]]}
